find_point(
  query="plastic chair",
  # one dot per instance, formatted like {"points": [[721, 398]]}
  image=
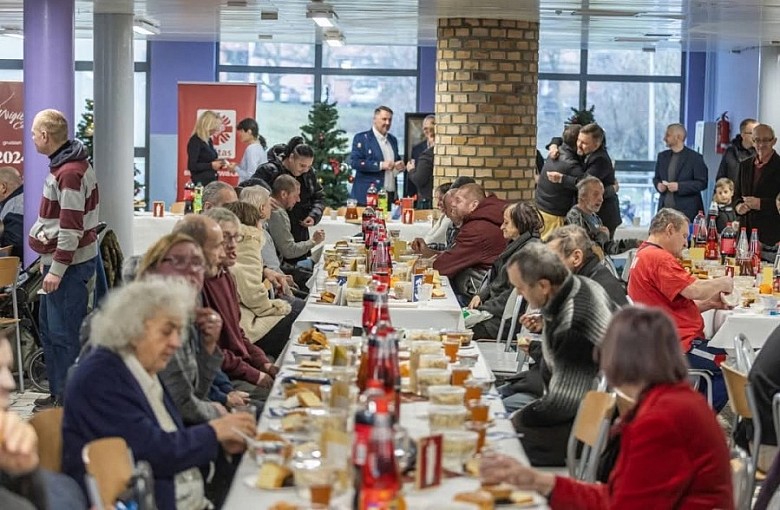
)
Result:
{"points": [[630, 255], [5, 251], [591, 427], [744, 352], [9, 276], [499, 356], [743, 402], [48, 428], [109, 465]]}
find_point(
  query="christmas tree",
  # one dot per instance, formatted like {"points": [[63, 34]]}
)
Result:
{"points": [[329, 144], [85, 132]]}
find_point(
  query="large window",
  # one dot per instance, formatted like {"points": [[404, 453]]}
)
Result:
{"points": [[290, 76], [11, 53], [636, 94]]}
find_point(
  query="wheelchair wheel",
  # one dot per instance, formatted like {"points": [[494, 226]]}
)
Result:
{"points": [[36, 371]]}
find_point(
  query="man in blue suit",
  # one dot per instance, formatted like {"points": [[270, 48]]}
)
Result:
{"points": [[375, 157], [680, 174]]}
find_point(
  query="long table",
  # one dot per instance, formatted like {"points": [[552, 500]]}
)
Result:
{"points": [[726, 324], [439, 313], [336, 229], [413, 418]]}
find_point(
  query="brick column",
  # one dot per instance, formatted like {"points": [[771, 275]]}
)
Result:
{"points": [[486, 88]]}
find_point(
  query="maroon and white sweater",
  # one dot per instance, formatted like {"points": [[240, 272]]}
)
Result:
{"points": [[65, 232]]}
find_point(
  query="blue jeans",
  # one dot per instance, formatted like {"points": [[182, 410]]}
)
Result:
{"points": [[60, 318], [703, 357]]}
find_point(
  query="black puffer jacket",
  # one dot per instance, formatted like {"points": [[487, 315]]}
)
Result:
{"points": [[312, 198], [734, 155], [557, 198]]}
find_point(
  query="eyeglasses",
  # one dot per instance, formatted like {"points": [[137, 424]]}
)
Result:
{"points": [[763, 140], [182, 263], [237, 238]]}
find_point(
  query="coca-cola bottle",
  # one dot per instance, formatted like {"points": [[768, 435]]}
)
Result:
{"points": [[743, 254], [700, 231], [189, 188], [728, 242], [697, 221], [371, 196], [381, 265], [755, 252], [711, 251], [380, 484], [366, 220], [374, 305], [368, 405]]}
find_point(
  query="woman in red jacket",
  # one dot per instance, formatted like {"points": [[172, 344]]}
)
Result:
{"points": [[673, 453]]}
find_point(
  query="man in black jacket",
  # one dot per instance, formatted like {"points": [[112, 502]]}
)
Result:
{"points": [[557, 186], [297, 161], [596, 162], [741, 148], [680, 174]]}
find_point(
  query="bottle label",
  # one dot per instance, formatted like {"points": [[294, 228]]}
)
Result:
{"points": [[728, 246]]}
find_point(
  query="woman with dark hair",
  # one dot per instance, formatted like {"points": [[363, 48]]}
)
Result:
{"points": [[254, 154], [522, 224], [296, 161], [673, 453]]}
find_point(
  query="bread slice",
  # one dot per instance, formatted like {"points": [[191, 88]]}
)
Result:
{"points": [[309, 399], [501, 492], [272, 476], [483, 500]]}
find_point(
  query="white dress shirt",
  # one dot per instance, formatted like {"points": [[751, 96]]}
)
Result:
{"points": [[387, 155]]}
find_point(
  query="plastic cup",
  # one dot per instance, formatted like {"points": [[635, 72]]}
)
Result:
{"points": [[451, 349]]}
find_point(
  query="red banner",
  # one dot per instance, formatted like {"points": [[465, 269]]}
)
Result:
{"points": [[232, 102], [11, 124]]}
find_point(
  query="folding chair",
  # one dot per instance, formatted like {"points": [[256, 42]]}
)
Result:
{"points": [[48, 428], [696, 376], [740, 479], [743, 402], [591, 427], [744, 352], [109, 465], [498, 354], [9, 277]]}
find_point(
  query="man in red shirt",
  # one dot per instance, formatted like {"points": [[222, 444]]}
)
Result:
{"points": [[658, 279]]}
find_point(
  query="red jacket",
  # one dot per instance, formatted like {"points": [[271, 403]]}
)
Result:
{"points": [[479, 242], [243, 360], [673, 455]]}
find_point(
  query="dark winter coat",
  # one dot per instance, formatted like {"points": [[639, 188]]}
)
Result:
{"points": [[735, 154]]}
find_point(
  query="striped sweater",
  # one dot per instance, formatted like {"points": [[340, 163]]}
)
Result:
{"points": [[65, 231]]}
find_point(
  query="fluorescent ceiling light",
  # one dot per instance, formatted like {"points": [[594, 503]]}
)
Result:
{"points": [[145, 26], [16, 33], [322, 14], [334, 38], [605, 13]]}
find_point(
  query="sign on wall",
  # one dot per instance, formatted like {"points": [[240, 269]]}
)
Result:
{"points": [[11, 124], [232, 102]]}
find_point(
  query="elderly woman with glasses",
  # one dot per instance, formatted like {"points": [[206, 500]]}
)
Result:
{"points": [[266, 321], [116, 392], [190, 374], [672, 453]]}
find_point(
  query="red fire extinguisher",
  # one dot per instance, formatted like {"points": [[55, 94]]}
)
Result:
{"points": [[723, 133]]}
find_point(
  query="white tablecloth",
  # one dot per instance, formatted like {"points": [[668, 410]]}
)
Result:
{"points": [[437, 313], [147, 229], [338, 229], [725, 325], [414, 419]]}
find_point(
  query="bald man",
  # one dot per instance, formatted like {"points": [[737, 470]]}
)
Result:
{"points": [[680, 174]]}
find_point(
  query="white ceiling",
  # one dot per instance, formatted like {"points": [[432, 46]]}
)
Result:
{"points": [[696, 24]]}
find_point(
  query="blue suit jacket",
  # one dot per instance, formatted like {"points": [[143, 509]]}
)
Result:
{"points": [[366, 159], [691, 179], [105, 400]]}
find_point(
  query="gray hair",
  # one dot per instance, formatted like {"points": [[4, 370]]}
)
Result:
{"points": [[666, 216], [10, 175], [584, 184], [676, 126], [120, 322], [537, 261], [213, 189], [570, 238], [220, 214], [257, 196]]}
